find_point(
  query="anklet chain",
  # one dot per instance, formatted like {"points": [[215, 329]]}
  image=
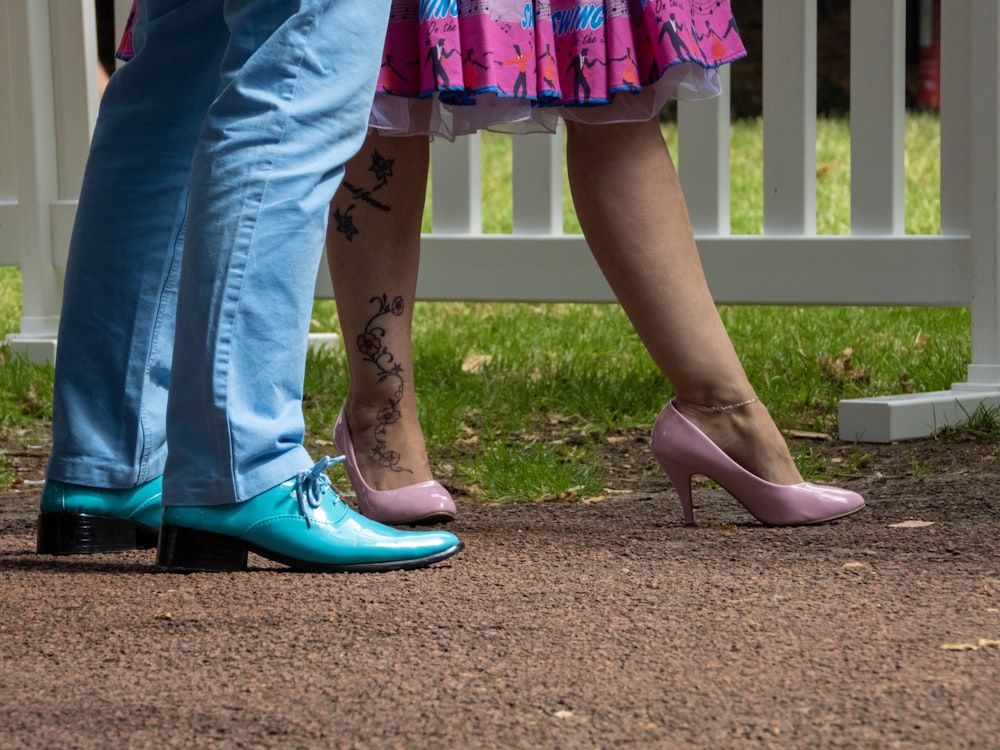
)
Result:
{"points": [[716, 409]]}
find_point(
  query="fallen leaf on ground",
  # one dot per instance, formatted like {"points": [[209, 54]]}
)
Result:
{"points": [[476, 363], [911, 524]]}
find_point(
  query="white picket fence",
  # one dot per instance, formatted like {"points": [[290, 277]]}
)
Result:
{"points": [[48, 102]]}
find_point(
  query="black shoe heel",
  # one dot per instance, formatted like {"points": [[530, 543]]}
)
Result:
{"points": [[189, 549], [80, 534]]}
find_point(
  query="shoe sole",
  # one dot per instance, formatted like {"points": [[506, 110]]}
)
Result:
{"points": [[836, 517], [435, 519], [183, 549], [82, 534]]}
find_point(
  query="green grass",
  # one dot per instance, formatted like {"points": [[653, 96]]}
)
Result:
{"points": [[581, 367]]}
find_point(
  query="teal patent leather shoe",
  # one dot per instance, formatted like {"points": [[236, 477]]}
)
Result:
{"points": [[301, 523], [78, 520]]}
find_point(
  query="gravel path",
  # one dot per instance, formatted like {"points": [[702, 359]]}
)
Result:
{"points": [[562, 625]]}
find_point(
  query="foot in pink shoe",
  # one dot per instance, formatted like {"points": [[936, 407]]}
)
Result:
{"points": [[683, 450], [417, 504]]}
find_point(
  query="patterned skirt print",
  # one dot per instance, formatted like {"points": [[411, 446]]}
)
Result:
{"points": [[456, 66]]}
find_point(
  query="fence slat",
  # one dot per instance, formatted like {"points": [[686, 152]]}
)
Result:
{"points": [[537, 184], [456, 186], [956, 128], [878, 109], [74, 86], [53, 66], [703, 132], [789, 117], [10, 228], [8, 177]]}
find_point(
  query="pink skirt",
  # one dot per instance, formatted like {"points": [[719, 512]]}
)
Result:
{"points": [[452, 67]]}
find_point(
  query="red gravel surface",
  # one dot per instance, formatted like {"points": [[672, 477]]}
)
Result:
{"points": [[562, 625]]}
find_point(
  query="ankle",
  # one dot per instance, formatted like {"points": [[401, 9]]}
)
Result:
{"points": [[388, 442], [713, 407], [746, 433]]}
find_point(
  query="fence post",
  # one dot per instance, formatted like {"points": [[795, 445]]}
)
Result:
{"points": [[984, 121], [55, 104]]}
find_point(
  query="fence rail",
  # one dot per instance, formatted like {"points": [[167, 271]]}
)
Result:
{"points": [[48, 100]]}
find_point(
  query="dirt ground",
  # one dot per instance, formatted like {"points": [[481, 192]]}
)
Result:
{"points": [[565, 625]]}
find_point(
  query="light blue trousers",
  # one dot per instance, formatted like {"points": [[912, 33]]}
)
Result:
{"points": [[197, 241]]}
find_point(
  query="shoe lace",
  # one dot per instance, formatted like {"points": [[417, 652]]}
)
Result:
{"points": [[312, 485]]}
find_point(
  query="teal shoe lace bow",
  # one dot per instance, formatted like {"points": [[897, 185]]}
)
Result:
{"points": [[312, 485]]}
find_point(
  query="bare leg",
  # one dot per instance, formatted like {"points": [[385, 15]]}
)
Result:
{"points": [[373, 245], [629, 201]]}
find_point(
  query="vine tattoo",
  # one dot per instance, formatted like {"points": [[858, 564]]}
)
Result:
{"points": [[373, 349], [382, 169]]}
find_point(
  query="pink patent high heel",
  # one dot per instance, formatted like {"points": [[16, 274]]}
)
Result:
{"points": [[683, 450], [418, 504]]}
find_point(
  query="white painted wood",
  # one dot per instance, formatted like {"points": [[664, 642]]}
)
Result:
{"points": [[8, 177], [789, 117], [878, 87], [53, 57], [537, 184], [741, 269], [456, 179], [985, 180], [908, 416], [73, 34], [10, 230], [703, 132], [956, 127]]}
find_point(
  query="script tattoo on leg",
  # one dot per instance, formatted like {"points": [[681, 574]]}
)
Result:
{"points": [[381, 168]]}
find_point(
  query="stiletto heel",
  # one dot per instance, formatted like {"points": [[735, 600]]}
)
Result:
{"points": [[680, 477], [418, 504], [683, 450]]}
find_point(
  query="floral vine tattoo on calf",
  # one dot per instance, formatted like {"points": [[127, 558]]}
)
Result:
{"points": [[372, 346]]}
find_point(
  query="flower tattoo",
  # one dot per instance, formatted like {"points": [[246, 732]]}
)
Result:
{"points": [[381, 168], [371, 344], [345, 224]]}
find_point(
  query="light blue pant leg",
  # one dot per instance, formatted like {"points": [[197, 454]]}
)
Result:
{"points": [[298, 82], [117, 323]]}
